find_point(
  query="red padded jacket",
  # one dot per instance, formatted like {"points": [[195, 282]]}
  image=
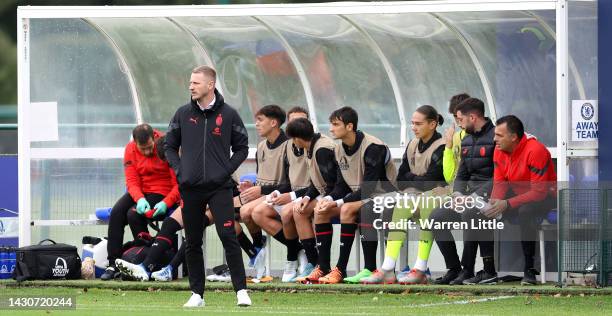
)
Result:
{"points": [[529, 171], [149, 174]]}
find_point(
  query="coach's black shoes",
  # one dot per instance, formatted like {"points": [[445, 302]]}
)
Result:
{"points": [[110, 273], [465, 274], [482, 277], [529, 278], [448, 277]]}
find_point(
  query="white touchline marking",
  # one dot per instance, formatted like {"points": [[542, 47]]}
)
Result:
{"points": [[463, 302]]}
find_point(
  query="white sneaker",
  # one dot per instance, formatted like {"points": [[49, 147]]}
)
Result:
{"points": [[260, 263], [163, 275], [303, 260], [290, 272], [225, 277], [135, 271], [194, 301], [243, 298], [212, 278]]}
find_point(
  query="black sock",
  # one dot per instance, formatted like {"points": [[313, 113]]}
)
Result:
{"points": [[178, 258], [347, 235], [489, 264], [162, 242], [293, 245], [257, 239], [246, 245], [369, 241], [324, 233], [369, 253], [280, 237], [293, 248], [310, 247]]}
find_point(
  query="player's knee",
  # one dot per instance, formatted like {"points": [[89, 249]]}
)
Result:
{"points": [[287, 215], [258, 213], [133, 217], [348, 213]]}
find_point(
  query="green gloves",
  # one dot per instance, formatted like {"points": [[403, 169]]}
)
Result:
{"points": [[142, 206], [160, 208]]}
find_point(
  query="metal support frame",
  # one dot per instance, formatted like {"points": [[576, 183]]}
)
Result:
{"points": [[23, 135], [124, 66], [399, 101], [27, 13], [477, 65], [562, 47], [200, 46]]}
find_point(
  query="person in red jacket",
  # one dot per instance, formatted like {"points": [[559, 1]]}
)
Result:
{"points": [[151, 186], [524, 184]]}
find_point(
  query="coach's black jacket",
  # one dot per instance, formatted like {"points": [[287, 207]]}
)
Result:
{"points": [[205, 139], [475, 172]]}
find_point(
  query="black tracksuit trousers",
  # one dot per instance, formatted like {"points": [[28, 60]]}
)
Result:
{"points": [[221, 204]]}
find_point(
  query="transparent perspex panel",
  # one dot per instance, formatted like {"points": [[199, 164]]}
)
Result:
{"points": [[343, 70], [253, 66], [518, 57], [160, 56], [583, 74], [73, 64], [429, 61]]}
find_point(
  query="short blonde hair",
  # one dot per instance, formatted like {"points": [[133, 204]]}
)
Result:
{"points": [[206, 71]]}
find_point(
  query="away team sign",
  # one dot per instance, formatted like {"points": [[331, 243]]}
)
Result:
{"points": [[585, 124]]}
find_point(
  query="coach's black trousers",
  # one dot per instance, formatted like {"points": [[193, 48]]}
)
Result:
{"points": [[221, 205]]}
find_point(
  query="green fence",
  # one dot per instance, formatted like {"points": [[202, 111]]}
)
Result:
{"points": [[585, 238]]}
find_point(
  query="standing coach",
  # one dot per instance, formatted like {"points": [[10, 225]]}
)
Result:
{"points": [[205, 130]]}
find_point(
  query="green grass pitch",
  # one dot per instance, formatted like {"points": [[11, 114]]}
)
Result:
{"points": [[124, 299]]}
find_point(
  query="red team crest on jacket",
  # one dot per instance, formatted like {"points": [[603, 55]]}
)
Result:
{"points": [[483, 151], [218, 122]]}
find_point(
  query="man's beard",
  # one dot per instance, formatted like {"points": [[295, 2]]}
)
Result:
{"points": [[469, 129]]}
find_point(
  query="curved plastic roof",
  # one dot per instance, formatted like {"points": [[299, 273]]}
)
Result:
{"points": [[107, 74]]}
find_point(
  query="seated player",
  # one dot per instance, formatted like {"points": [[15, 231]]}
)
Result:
{"points": [[421, 170], [364, 165], [297, 216], [271, 168], [150, 181], [267, 214]]}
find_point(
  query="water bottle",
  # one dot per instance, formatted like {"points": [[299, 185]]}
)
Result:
{"points": [[12, 258], [4, 263]]}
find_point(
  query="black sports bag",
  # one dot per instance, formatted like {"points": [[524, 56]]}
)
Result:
{"points": [[47, 262]]}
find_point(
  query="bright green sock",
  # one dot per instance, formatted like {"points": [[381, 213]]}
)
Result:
{"points": [[393, 249], [396, 237], [425, 243], [425, 238]]}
